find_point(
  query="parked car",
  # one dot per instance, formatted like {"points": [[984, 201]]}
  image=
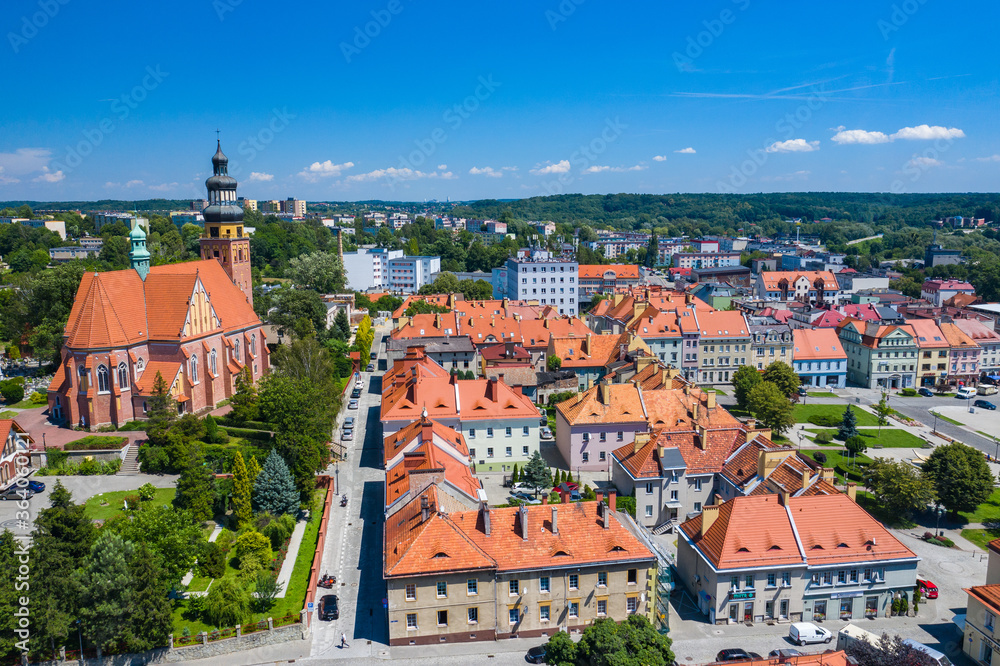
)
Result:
{"points": [[347, 436], [16, 493], [370, 368], [35, 486], [803, 390], [984, 404], [536, 655], [329, 608], [928, 589], [348, 422], [569, 487], [783, 653], [926, 392], [353, 404], [524, 497], [356, 393], [733, 654], [545, 432], [802, 633], [360, 384]]}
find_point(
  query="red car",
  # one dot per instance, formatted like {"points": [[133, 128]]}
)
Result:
{"points": [[928, 589]]}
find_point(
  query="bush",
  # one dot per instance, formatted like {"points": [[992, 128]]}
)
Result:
{"points": [[225, 540], [824, 438], [908, 392], [132, 502], [819, 457], [153, 459], [133, 426], [274, 529], [928, 536], [253, 543], [96, 443], [38, 398], [89, 467], [147, 491], [253, 435], [11, 391], [562, 396], [248, 425], [55, 457], [626, 504], [894, 606], [212, 561], [825, 421]]}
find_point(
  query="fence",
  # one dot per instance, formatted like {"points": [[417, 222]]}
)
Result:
{"points": [[314, 571]]}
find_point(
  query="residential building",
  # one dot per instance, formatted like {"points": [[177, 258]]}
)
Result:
{"points": [[537, 274], [661, 331], [818, 357], [499, 282], [982, 639], [809, 287], [719, 296], [879, 356], [933, 351], [16, 443], [589, 356], [295, 207], [180, 218], [536, 333], [820, 557], [851, 283], [988, 341], [368, 268], [270, 207], [199, 205], [499, 423], [409, 274], [71, 252], [811, 260], [545, 228], [495, 227], [964, 358], [937, 291], [129, 220], [189, 322], [57, 227], [606, 279], [696, 260], [936, 255], [770, 341], [454, 575], [247, 204], [759, 466], [723, 345], [451, 352]]}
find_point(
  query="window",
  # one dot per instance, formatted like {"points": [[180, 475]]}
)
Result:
{"points": [[603, 437], [621, 436], [103, 381], [489, 432], [508, 451], [990, 619], [772, 580], [632, 604], [786, 579], [213, 363], [472, 433], [524, 450], [122, 376], [442, 589], [749, 580], [543, 613], [442, 618], [574, 581], [489, 452], [697, 507], [602, 579], [633, 576], [828, 578], [867, 574], [574, 609], [602, 606], [586, 437], [734, 583], [543, 584], [524, 431], [411, 592], [649, 510], [472, 453], [841, 577], [194, 369], [474, 615], [673, 495], [411, 621], [514, 587], [649, 488], [253, 344], [509, 431], [473, 586], [697, 484], [513, 616], [586, 456], [854, 575]]}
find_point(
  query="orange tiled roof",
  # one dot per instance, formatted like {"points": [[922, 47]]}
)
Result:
{"points": [[402, 368], [535, 333], [621, 271], [748, 532], [483, 329], [445, 397], [640, 463], [989, 595], [6, 425], [834, 529], [621, 403], [168, 369], [653, 323], [929, 335], [702, 455], [592, 350], [426, 445], [723, 324], [819, 343], [957, 339], [977, 330], [428, 326], [773, 278]]}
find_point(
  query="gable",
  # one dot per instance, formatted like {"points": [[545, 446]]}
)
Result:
{"points": [[201, 316]]}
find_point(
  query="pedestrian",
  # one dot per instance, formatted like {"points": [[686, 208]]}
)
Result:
{"points": [[343, 641]]}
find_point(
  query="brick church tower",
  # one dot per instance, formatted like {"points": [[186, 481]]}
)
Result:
{"points": [[224, 237]]}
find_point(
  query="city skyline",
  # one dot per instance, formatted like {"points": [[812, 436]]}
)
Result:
{"points": [[370, 103]]}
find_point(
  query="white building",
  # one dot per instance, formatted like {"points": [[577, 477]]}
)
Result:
{"points": [[408, 274], [536, 275], [368, 267]]}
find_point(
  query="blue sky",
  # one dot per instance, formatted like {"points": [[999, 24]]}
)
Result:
{"points": [[473, 100]]}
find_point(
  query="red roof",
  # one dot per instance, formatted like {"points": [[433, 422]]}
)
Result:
{"points": [[621, 271]]}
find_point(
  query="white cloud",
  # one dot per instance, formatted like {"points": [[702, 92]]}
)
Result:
{"points": [[24, 161], [164, 187], [561, 166], [327, 169], [49, 176], [686, 151], [4, 180], [859, 136], [793, 146], [659, 158], [991, 158], [442, 167], [134, 183], [508, 168], [260, 177], [392, 173], [486, 171], [599, 169], [924, 162], [928, 132]]}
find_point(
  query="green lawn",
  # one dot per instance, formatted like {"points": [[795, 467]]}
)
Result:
{"points": [[25, 404], [947, 420], [840, 462], [822, 394], [980, 537], [714, 390], [115, 499], [803, 413], [891, 438], [987, 512], [7, 414]]}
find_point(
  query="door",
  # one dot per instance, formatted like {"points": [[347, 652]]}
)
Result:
{"points": [[769, 610], [846, 609], [734, 612], [819, 610], [871, 606], [748, 611], [783, 609]]}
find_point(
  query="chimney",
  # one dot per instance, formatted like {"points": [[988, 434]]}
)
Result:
{"points": [[687, 388], [545, 499], [523, 511], [545, 323], [827, 474], [564, 496], [636, 445], [751, 423], [708, 516], [783, 497], [484, 508], [425, 511], [611, 499], [702, 437], [689, 298], [437, 320], [604, 393], [555, 518], [600, 496], [710, 400], [694, 410], [500, 377], [852, 491], [805, 477]]}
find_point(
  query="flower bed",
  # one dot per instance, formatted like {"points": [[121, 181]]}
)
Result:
{"points": [[96, 443]]}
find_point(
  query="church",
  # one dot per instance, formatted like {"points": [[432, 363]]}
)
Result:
{"points": [[192, 322]]}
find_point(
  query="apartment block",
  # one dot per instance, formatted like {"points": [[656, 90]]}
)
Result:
{"points": [[538, 275], [724, 345]]}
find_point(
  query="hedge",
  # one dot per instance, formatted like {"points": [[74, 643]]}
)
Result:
{"points": [[253, 435], [95, 443], [247, 425]]}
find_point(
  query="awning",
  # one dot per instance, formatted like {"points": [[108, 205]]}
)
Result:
{"points": [[993, 377]]}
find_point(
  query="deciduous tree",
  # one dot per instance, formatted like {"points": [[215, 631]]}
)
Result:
{"points": [[745, 379], [961, 477], [781, 375], [898, 487], [771, 407]]}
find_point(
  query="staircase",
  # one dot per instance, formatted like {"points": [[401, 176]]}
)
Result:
{"points": [[130, 466], [663, 527]]}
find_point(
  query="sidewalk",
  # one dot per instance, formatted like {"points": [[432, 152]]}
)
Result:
{"points": [[285, 575]]}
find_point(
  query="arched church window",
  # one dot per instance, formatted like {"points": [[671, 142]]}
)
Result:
{"points": [[123, 376], [194, 369], [213, 363], [103, 379]]}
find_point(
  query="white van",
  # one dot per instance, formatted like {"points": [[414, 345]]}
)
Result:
{"points": [[966, 392], [802, 633], [938, 657], [987, 389]]}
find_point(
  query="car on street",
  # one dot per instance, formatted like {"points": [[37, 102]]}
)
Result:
{"points": [[353, 404], [927, 588], [35, 486], [536, 655], [524, 497], [16, 493], [348, 422], [803, 390], [329, 608], [356, 393], [965, 392], [736, 654], [783, 653], [543, 418], [360, 384], [801, 633], [347, 435], [545, 432], [984, 404], [926, 392], [370, 368]]}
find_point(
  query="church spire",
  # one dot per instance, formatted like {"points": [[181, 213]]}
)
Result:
{"points": [[225, 238], [139, 255]]}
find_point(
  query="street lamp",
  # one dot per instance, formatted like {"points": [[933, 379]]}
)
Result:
{"points": [[940, 512]]}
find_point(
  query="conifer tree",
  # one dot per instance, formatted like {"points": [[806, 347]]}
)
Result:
{"points": [[253, 469], [241, 491], [849, 426], [275, 491]]}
